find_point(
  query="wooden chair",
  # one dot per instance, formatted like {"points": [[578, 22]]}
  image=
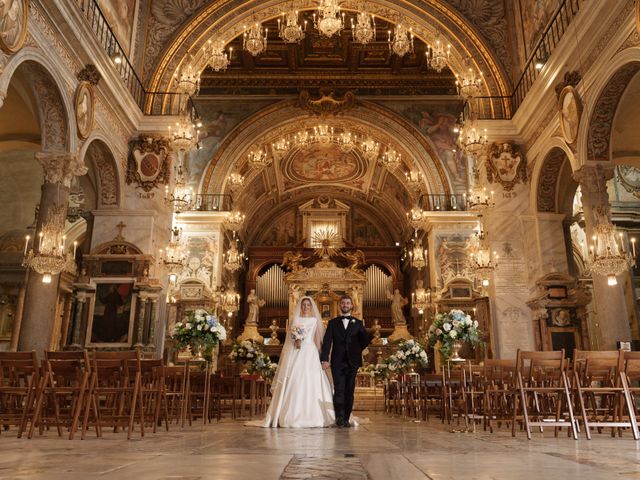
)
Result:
{"points": [[543, 395], [175, 393], [631, 376], [433, 395], [198, 393], [499, 377], [62, 392], [152, 392], [227, 390], [455, 394], [19, 382], [412, 395], [115, 391]]}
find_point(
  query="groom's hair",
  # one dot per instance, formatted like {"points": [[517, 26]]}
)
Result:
{"points": [[346, 297]]}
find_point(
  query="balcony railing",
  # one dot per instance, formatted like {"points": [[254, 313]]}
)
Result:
{"points": [[435, 202], [213, 202]]}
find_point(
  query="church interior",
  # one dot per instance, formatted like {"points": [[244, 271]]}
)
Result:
{"points": [[467, 171]]}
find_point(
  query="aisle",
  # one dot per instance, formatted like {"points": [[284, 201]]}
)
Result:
{"points": [[383, 449]]}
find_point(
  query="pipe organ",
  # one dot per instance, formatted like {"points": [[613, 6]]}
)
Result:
{"points": [[270, 286], [375, 290]]}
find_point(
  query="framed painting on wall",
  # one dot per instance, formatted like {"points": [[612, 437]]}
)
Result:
{"points": [[112, 313]]}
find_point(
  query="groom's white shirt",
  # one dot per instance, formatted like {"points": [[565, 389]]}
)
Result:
{"points": [[345, 320]]}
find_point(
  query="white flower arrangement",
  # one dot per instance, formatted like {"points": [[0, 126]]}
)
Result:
{"points": [[199, 331], [454, 326]]}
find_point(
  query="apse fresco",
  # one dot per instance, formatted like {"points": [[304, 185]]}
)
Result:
{"points": [[120, 14], [436, 120], [218, 119], [282, 233], [320, 163], [365, 233]]}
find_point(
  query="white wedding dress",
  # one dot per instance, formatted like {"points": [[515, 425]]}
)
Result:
{"points": [[302, 395]]}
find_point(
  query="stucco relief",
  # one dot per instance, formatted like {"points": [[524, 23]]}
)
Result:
{"points": [[107, 175], [548, 181], [506, 165], [60, 167], [52, 113]]}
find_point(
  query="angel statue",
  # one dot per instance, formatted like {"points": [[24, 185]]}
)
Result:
{"points": [[356, 260], [292, 260]]}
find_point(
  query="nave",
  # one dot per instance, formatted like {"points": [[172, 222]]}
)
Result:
{"points": [[386, 448]]}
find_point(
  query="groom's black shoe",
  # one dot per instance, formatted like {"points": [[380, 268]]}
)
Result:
{"points": [[346, 424], [339, 422]]}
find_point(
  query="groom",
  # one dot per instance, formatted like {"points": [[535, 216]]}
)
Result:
{"points": [[349, 338]]}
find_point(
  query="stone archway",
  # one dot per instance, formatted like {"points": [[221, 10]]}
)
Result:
{"points": [[100, 158]]}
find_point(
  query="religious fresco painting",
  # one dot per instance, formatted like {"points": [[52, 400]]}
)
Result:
{"points": [[121, 15], [366, 233], [113, 311], [282, 233], [532, 17], [201, 265]]}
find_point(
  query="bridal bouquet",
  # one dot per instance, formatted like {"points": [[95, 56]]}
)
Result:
{"points": [[200, 331], [298, 334], [451, 327]]}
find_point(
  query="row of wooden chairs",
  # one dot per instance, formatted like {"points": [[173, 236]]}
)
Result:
{"points": [[77, 391], [597, 390]]}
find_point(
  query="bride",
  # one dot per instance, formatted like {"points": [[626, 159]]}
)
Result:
{"points": [[301, 393]]}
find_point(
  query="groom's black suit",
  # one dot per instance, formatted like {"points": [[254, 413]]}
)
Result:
{"points": [[346, 358]]}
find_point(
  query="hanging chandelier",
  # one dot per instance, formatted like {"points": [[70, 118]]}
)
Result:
{"points": [[217, 58], [414, 179], [370, 148], [187, 80], [329, 20], [181, 199], [235, 180], [174, 257], [607, 254], [234, 221], [469, 82], [416, 217], [472, 139], [258, 159], [302, 139], [184, 135], [363, 29], [438, 54], [323, 134], [417, 253], [48, 255], [230, 301], [401, 42], [478, 200], [279, 148], [346, 141], [254, 40], [483, 262], [391, 159], [289, 29], [421, 299], [232, 260]]}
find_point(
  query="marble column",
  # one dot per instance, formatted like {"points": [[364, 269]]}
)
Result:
{"points": [[153, 318], [41, 298], [81, 301], [142, 314], [610, 305], [17, 323]]}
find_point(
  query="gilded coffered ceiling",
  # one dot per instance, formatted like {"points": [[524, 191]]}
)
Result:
{"points": [[172, 29]]}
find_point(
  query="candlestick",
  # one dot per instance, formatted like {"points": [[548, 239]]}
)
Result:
{"points": [[633, 246], [75, 246], [26, 244]]}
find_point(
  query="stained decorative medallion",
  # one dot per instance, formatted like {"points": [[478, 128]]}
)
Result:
{"points": [[13, 24]]}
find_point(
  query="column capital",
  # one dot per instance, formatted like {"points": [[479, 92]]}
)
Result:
{"points": [[60, 167], [593, 178]]}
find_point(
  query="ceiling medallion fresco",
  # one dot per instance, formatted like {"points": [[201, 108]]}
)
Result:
{"points": [[323, 164]]}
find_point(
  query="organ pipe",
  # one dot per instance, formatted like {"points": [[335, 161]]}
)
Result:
{"points": [[270, 286], [375, 290]]}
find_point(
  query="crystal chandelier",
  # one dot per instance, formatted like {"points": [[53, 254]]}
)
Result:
{"points": [[416, 217], [258, 159], [370, 148], [417, 253], [289, 29], [401, 42], [421, 298], [483, 263], [346, 141], [279, 148], [233, 258], [472, 140], [217, 58], [234, 221], [414, 179], [254, 40], [302, 139], [438, 54], [48, 255], [391, 159], [607, 254], [181, 199], [478, 200], [469, 82], [174, 257], [188, 79], [235, 180], [329, 20], [364, 29], [323, 134], [230, 301], [184, 135]]}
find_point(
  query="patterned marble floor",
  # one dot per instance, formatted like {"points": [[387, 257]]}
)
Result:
{"points": [[385, 448]]}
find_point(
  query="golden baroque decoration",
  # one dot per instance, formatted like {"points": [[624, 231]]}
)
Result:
{"points": [[506, 165], [13, 24], [571, 78], [327, 104], [148, 164], [85, 108], [53, 40], [60, 167], [89, 74]]}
